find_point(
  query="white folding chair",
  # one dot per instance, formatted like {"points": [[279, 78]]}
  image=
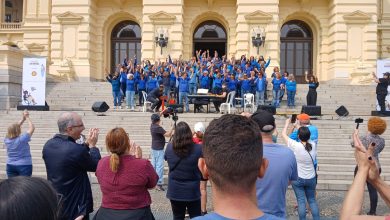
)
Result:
{"points": [[229, 102], [249, 102], [145, 96]]}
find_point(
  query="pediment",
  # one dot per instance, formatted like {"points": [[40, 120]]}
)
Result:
{"points": [[258, 17], [34, 47], [357, 17], [162, 17], [69, 18]]}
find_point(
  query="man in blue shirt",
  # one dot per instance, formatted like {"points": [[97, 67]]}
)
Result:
{"points": [[184, 87], [232, 161], [282, 168]]}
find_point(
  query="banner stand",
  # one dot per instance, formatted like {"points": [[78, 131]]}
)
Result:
{"points": [[34, 107]]}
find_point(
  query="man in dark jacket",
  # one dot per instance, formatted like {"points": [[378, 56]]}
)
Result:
{"points": [[67, 164], [155, 98], [381, 89]]}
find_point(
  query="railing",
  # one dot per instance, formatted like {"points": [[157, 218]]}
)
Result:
{"points": [[10, 26]]}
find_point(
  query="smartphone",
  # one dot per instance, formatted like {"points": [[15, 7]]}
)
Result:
{"points": [[293, 118], [358, 121]]}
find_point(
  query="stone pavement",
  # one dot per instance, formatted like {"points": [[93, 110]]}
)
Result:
{"points": [[329, 203]]}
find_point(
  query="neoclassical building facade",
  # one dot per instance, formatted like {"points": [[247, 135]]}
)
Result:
{"points": [[331, 38]]}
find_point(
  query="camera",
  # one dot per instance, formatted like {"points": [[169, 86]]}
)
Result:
{"points": [[173, 109], [358, 121]]}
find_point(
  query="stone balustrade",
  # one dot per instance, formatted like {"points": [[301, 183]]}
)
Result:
{"points": [[10, 26]]}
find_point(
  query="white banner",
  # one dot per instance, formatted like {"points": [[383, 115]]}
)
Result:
{"points": [[34, 81], [383, 66]]}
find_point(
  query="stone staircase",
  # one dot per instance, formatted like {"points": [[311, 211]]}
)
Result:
{"points": [[335, 156]]}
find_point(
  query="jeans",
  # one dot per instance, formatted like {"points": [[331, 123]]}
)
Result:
{"points": [[123, 88], [130, 98], [291, 98], [158, 164], [281, 94], [232, 98], [276, 96], [18, 170], [184, 95], [306, 188], [259, 98], [117, 97], [193, 88], [179, 209], [166, 91]]}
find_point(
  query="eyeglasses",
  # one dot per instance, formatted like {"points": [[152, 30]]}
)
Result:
{"points": [[77, 126]]}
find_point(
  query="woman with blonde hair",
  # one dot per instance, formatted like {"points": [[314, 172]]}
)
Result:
{"points": [[124, 180], [19, 162], [291, 87]]}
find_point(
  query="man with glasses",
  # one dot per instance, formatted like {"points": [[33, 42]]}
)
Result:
{"points": [[67, 164]]}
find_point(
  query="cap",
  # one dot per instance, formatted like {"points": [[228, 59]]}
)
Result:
{"points": [[303, 117], [265, 120], [155, 118], [199, 127]]}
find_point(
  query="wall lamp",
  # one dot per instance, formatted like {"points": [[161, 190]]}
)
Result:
{"points": [[258, 38], [161, 38]]}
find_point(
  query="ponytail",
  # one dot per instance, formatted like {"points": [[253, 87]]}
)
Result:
{"points": [[308, 147], [114, 162]]}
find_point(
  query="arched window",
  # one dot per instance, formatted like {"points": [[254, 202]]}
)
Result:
{"points": [[125, 42], [296, 49], [210, 35]]}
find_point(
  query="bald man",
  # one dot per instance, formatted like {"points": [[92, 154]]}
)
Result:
{"points": [[67, 164]]}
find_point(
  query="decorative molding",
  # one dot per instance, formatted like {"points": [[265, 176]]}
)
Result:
{"points": [[357, 17], [258, 17], [69, 18], [34, 47], [162, 17]]}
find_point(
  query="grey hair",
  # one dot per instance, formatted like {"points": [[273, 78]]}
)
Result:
{"points": [[65, 120]]}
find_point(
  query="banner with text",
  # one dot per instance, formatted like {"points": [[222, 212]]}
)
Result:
{"points": [[34, 81]]}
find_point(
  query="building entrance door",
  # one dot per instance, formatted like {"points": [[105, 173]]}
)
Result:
{"points": [[296, 49], [210, 35]]}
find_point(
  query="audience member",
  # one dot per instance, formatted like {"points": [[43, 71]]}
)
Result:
{"points": [[67, 164], [184, 177], [376, 126], [233, 160], [271, 189], [19, 162], [124, 181], [157, 154], [24, 198], [368, 171], [305, 186]]}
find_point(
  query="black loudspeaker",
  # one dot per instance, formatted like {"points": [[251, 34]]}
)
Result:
{"points": [[311, 109], [268, 108], [342, 111], [100, 107]]}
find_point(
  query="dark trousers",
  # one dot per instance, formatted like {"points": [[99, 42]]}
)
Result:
{"points": [[217, 103], [19, 170], [156, 103], [179, 209], [311, 97], [381, 101], [372, 193], [123, 88]]}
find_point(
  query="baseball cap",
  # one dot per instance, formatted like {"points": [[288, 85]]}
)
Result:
{"points": [[155, 118], [265, 120], [303, 117], [199, 127]]}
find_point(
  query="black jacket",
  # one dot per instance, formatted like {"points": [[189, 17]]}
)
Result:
{"points": [[67, 164]]}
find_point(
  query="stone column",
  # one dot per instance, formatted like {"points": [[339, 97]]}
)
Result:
{"points": [[11, 68], [169, 17], [2, 10], [264, 15]]}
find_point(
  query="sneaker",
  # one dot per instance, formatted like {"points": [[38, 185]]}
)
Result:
{"points": [[204, 213], [127, 107], [114, 107], [371, 213], [160, 188], [132, 109]]}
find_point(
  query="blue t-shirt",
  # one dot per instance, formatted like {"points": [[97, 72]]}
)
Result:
{"points": [[215, 216], [277, 83], [184, 84], [130, 85], [18, 150], [271, 189], [313, 134], [291, 85], [184, 180]]}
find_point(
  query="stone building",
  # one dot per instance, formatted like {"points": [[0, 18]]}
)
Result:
{"points": [[335, 39]]}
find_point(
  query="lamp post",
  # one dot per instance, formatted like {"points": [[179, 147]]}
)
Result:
{"points": [[258, 38], [161, 38]]}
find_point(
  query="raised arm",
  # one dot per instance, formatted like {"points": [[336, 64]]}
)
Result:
{"points": [[31, 126], [284, 132], [375, 78], [306, 77]]}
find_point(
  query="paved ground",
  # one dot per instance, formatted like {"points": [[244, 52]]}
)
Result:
{"points": [[329, 203]]}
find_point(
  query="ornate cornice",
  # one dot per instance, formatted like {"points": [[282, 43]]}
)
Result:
{"points": [[162, 17], [257, 17], [357, 17], [34, 47], [69, 18]]}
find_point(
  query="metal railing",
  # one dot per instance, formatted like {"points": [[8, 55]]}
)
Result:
{"points": [[10, 26]]}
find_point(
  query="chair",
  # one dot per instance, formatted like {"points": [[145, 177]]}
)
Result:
{"points": [[249, 100], [145, 96], [229, 102]]}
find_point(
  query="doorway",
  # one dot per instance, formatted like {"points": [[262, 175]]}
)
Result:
{"points": [[210, 35], [296, 49]]}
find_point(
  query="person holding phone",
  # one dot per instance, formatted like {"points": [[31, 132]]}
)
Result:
{"points": [[375, 126]]}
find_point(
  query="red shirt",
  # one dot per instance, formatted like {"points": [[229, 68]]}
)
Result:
{"points": [[197, 140], [128, 187]]}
